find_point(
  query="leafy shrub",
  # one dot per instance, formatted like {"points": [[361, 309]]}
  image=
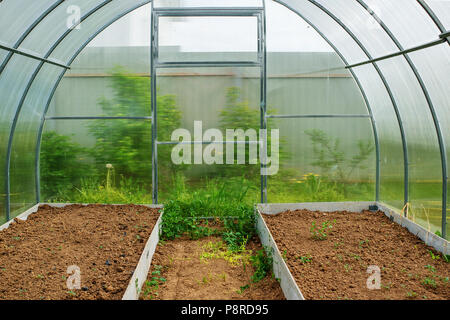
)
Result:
{"points": [[61, 165], [126, 144]]}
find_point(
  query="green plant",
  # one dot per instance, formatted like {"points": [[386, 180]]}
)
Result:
{"points": [[431, 268], [238, 114], [126, 144], [262, 262], [321, 232], [62, 165], [305, 259], [243, 288], [429, 282], [151, 286], [332, 160]]}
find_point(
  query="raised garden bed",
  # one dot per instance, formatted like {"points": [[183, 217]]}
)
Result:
{"points": [[104, 241], [328, 253], [206, 269]]}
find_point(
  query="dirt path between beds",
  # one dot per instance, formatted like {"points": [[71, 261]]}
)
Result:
{"points": [[105, 242], [201, 269], [336, 268]]}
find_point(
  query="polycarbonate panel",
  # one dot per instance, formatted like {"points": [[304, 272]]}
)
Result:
{"points": [[390, 141], [96, 21], [230, 181], [425, 179], [3, 138], [96, 79], [184, 99], [441, 9], [299, 83], [330, 28], [304, 176], [23, 155], [207, 3], [60, 20], [191, 89], [13, 81], [407, 20], [362, 25], [96, 161], [18, 16], [434, 67], [391, 147], [207, 39]]}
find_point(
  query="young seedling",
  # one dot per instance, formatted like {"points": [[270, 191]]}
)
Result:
{"points": [[243, 288], [321, 232], [429, 282], [305, 259]]}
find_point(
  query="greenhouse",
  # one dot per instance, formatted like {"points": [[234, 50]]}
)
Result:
{"points": [[306, 139]]}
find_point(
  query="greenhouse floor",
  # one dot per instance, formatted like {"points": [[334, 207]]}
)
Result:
{"points": [[318, 251], [204, 269]]}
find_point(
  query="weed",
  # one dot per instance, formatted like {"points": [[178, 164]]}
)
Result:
{"points": [[262, 262], [434, 256], [347, 267], [150, 288], [431, 268], [362, 243], [242, 289], [284, 255], [305, 259], [411, 294], [429, 282], [320, 233]]}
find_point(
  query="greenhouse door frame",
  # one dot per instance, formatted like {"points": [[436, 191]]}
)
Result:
{"points": [[259, 13]]}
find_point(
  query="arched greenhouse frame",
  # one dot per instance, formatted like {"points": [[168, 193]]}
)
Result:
{"points": [[363, 122]]}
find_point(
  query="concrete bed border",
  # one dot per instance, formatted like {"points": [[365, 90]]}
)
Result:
{"points": [[143, 266], [281, 270]]}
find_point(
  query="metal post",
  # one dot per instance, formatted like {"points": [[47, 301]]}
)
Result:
{"points": [[153, 58], [264, 91]]}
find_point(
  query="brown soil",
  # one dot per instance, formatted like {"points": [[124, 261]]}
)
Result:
{"points": [[194, 270], [338, 268], [105, 242]]}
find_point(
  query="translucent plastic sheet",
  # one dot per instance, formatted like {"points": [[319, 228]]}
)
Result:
{"points": [[442, 10], [16, 20], [23, 155], [305, 176], [207, 39], [184, 101], [424, 157], [13, 81], [72, 42], [62, 19], [207, 3], [98, 161]]}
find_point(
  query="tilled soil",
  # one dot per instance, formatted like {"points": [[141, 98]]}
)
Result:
{"points": [[105, 242], [190, 275], [336, 267]]}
